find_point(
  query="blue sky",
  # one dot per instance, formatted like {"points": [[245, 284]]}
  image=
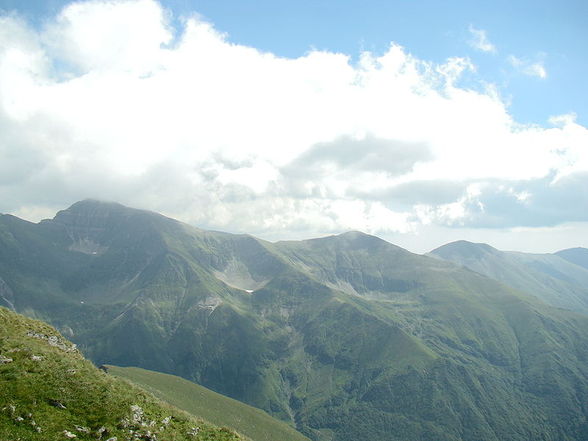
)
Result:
{"points": [[419, 121]]}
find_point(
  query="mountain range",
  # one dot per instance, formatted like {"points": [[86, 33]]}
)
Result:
{"points": [[559, 279], [345, 337]]}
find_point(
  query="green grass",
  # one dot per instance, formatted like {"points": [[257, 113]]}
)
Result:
{"points": [[48, 390], [214, 407]]}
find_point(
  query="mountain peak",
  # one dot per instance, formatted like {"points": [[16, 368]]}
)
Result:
{"points": [[354, 238], [355, 235], [93, 226], [464, 248], [98, 211], [92, 205], [355, 241]]}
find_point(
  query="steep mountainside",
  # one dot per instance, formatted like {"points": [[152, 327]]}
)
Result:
{"points": [[49, 392], [345, 337], [550, 277]]}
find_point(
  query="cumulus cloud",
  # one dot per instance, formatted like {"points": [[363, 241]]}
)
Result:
{"points": [[544, 202], [183, 121], [338, 167], [416, 193], [530, 68], [130, 38], [363, 154], [479, 40]]}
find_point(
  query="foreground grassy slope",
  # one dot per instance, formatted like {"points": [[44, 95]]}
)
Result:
{"points": [[48, 391], [216, 408]]}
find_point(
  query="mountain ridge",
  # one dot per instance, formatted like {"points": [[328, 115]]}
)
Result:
{"points": [[345, 337], [578, 255], [549, 277]]}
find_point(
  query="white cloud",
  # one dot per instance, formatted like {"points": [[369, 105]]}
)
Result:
{"points": [[530, 68], [479, 40], [185, 122], [131, 34]]}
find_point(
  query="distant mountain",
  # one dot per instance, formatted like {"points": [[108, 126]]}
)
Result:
{"points": [[550, 277], [579, 256], [49, 392], [346, 337]]}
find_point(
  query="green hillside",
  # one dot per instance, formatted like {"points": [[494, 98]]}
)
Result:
{"points": [[48, 391], [345, 338], [213, 407]]}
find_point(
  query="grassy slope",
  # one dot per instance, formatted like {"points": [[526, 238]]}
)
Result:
{"points": [[47, 389], [214, 407]]}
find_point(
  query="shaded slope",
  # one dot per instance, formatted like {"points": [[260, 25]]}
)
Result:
{"points": [[49, 392]]}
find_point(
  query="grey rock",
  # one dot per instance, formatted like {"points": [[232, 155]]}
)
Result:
{"points": [[57, 404], [193, 431], [54, 341]]}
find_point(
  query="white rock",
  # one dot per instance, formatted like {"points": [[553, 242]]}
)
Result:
{"points": [[194, 431]]}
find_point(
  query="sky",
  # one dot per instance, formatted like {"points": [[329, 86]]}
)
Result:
{"points": [[421, 122]]}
